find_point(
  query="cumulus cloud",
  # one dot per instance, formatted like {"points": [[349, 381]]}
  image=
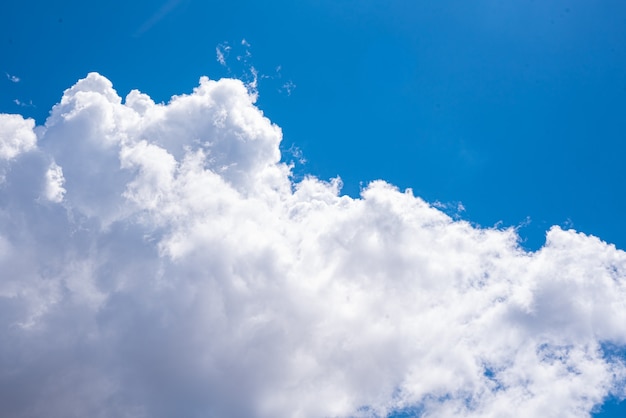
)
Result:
{"points": [[54, 190], [16, 135], [175, 268]]}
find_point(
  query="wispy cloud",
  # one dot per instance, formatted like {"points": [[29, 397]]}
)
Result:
{"points": [[243, 68], [23, 104], [221, 52], [247, 54], [159, 15], [288, 87], [13, 78], [296, 152]]}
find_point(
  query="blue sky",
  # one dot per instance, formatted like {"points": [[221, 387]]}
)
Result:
{"points": [[504, 113], [512, 108]]}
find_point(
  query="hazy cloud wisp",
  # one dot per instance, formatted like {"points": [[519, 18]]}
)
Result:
{"points": [[13, 78]]}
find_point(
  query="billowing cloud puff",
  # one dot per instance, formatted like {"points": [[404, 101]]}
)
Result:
{"points": [[157, 260], [16, 135]]}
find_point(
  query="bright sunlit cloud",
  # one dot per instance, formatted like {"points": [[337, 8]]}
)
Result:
{"points": [[159, 260]]}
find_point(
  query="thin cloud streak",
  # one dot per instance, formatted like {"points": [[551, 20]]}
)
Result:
{"points": [[160, 14]]}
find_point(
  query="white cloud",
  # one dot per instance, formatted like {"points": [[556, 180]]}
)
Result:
{"points": [[16, 135], [221, 53], [23, 104], [182, 272], [13, 78], [54, 190], [288, 87], [220, 56], [243, 65]]}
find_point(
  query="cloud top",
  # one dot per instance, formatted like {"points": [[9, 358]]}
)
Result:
{"points": [[159, 260], [16, 135]]}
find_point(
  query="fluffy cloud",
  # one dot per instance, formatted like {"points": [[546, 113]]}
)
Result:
{"points": [[16, 135], [158, 260]]}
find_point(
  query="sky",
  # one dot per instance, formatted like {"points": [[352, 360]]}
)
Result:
{"points": [[312, 209]]}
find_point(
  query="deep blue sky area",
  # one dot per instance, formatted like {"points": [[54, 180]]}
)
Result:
{"points": [[516, 109]]}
